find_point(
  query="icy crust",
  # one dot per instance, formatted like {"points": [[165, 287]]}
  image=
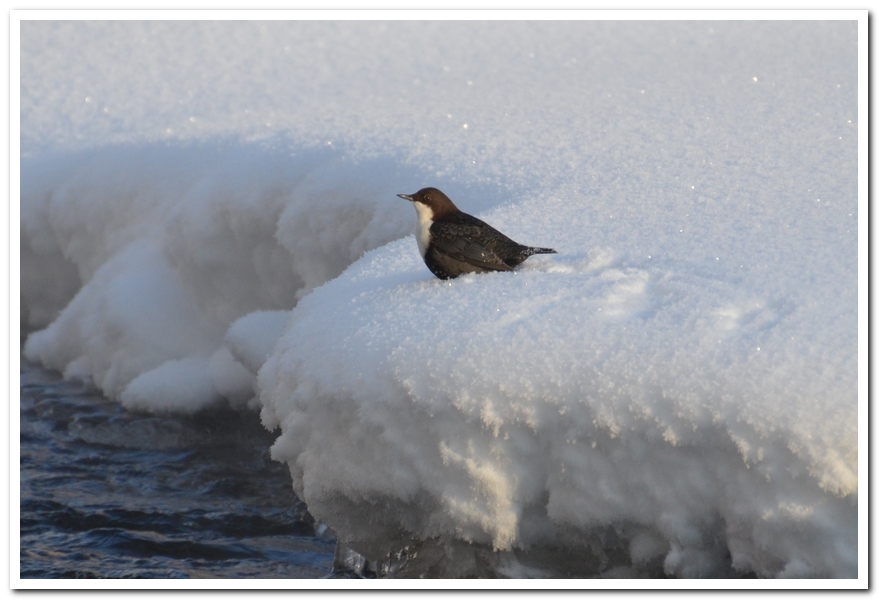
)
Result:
{"points": [[582, 392], [137, 260]]}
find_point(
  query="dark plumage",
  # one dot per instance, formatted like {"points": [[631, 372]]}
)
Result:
{"points": [[452, 242]]}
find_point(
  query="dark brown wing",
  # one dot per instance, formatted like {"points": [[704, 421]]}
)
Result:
{"points": [[460, 242]]}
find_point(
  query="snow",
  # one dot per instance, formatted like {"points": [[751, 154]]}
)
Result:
{"points": [[209, 216]]}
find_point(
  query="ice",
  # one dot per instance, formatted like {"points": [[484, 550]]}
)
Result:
{"points": [[674, 393]]}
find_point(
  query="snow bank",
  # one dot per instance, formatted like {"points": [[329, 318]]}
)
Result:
{"points": [[172, 245], [675, 392], [583, 390]]}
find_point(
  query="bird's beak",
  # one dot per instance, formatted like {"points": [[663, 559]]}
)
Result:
{"points": [[406, 197]]}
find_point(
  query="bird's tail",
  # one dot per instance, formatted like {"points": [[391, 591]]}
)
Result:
{"points": [[529, 251]]}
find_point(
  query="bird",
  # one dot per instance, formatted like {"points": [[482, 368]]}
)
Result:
{"points": [[452, 242]]}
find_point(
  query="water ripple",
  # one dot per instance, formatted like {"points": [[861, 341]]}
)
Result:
{"points": [[106, 493]]}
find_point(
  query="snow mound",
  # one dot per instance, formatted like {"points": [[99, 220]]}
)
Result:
{"points": [[584, 390], [179, 385], [141, 255]]}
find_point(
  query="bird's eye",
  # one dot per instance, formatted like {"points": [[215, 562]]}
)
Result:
{"points": [[427, 198]]}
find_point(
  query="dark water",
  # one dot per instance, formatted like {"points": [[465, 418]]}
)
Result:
{"points": [[110, 493]]}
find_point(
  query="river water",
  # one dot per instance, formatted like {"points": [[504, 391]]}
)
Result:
{"points": [[109, 493]]}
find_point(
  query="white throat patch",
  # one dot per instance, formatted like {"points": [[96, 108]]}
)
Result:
{"points": [[422, 227]]}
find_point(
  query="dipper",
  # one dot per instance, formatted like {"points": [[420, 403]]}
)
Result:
{"points": [[452, 242]]}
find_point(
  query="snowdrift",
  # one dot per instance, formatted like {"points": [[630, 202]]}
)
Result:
{"points": [[171, 245], [582, 391]]}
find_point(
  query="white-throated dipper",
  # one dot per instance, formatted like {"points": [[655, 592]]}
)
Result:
{"points": [[452, 242]]}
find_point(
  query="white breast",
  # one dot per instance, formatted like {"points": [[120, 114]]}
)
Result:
{"points": [[422, 227]]}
